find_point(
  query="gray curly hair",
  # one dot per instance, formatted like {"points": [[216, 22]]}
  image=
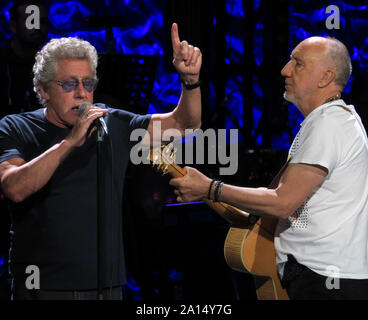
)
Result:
{"points": [[45, 67]]}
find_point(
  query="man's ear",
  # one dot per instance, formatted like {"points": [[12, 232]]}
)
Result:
{"points": [[327, 77], [43, 91]]}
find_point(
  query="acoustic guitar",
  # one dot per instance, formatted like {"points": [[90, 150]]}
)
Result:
{"points": [[249, 245]]}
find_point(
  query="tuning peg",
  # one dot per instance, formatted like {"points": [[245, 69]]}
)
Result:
{"points": [[164, 168], [173, 152]]}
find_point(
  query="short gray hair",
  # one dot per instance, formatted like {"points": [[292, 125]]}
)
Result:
{"points": [[45, 67], [340, 57]]}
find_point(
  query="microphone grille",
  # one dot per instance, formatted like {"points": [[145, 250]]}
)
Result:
{"points": [[83, 106]]}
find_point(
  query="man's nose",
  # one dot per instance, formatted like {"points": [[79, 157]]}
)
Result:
{"points": [[80, 91], [285, 72]]}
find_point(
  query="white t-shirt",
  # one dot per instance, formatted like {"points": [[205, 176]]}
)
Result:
{"points": [[329, 232]]}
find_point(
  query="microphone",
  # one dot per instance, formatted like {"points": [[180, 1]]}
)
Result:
{"points": [[99, 122]]}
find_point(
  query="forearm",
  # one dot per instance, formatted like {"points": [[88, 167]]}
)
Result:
{"points": [[186, 115], [296, 183], [189, 109], [22, 181], [261, 202]]}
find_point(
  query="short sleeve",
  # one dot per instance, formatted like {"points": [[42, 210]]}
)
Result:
{"points": [[9, 143], [317, 144], [139, 122], [134, 121], [123, 123]]}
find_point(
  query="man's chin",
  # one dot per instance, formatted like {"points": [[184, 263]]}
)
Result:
{"points": [[287, 97]]}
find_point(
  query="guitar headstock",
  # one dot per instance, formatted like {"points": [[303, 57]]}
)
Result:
{"points": [[163, 157]]}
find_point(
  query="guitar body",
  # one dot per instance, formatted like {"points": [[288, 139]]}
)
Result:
{"points": [[251, 249]]}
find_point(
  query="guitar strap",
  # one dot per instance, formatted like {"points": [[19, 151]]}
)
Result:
{"points": [[355, 115], [275, 181], [252, 218]]}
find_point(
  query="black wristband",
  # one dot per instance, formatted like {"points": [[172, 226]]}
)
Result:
{"points": [[209, 190], [191, 86]]}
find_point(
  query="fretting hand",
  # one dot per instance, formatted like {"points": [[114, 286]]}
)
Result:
{"points": [[193, 186]]}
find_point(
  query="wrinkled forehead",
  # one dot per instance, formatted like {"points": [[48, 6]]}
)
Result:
{"points": [[73, 68]]}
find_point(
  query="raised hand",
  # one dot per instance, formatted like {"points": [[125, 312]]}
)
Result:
{"points": [[187, 59]]}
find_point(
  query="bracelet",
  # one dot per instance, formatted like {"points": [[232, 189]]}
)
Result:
{"points": [[209, 190], [191, 86], [217, 192]]}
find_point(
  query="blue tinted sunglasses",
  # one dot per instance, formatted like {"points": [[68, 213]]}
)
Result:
{"points": [[72, 84]]}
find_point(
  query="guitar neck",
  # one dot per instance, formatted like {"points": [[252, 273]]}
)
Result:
{"points": [[232, 214]]}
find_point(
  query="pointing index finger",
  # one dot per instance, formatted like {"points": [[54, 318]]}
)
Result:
{"points": [[175, 37]]}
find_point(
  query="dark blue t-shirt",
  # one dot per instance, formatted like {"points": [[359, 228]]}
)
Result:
{"points": [[56, 228]]}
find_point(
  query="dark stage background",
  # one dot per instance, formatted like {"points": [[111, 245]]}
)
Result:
{"points": [[176, 251]]}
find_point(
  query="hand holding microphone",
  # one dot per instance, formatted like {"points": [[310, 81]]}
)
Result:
{"points": [[99, 122], [89, 120]]}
